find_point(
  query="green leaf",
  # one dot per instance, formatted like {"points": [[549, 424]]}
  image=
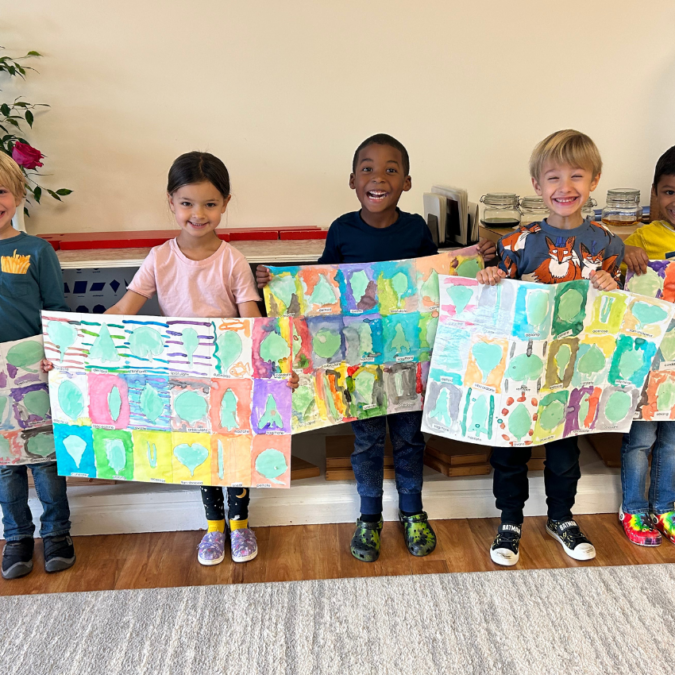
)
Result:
{"points": [[4, 109], [63, 192], [37, 193], [53, 194], [29, 118], [33, 53], [13, 122]]}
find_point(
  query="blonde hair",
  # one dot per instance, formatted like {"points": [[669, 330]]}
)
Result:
{"points": [[11, 177], [566, 147]]}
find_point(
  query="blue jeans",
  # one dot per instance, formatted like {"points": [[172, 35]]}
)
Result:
{"points": [[634, 466], [51, 490], [408, 443]]}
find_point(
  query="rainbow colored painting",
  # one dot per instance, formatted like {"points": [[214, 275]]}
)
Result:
{"points": [[523, 364], [657, 402], [362, 333], [25, 418], [170, 400]]}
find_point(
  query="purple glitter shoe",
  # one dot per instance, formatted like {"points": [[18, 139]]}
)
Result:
{"points": [[212, 548], [243, 544]]}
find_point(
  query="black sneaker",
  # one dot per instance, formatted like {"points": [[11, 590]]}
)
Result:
{"points": [[17, 558], [59, 553], [365, 544], [504, 549], [573, 541]]}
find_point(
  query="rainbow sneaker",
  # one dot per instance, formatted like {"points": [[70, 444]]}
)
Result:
{"points": [[665, 523], [639, 529]]}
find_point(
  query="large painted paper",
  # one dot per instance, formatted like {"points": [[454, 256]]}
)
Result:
{"points": [[657, 402], [25, 416], [170, 400], [524, 364], [362, 333]]}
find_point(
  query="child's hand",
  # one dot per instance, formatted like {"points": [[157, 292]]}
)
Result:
{"points": [[293, 381], [490, 276], [262, 276], [487, 249], [636, 259], [603, 281], [46, 365]]}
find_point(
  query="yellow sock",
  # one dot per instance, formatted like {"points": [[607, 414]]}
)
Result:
{"points": [[238, 524], [216, 525]]}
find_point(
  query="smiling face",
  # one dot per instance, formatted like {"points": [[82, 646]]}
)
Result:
{"points": [[8, 204], [565, 188], [198, 208], [665, 194], [379, 178]]}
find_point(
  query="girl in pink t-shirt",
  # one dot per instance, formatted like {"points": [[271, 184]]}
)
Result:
{"points": [[198, 275]]}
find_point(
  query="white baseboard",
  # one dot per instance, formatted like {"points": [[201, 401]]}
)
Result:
{"points": [[143, 507]]}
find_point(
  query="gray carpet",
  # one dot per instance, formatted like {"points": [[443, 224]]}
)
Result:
{"points": [[590, 620]]}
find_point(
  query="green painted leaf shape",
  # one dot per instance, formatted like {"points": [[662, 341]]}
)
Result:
{"points": [[70, 399], [524, 368], [399, 283], [114, 403], [104, 348], [283, 287], [37, 403], [520, 422], [191, 456], [5, 452], [271, 463], [25, 354], [63, 335], [274, 348], [41, 445], [229, 347], [469, 268], [190, 406], [146, 342], [190, 343], [618, 405], [487, 357], [460, 296], [151, 403], [326, 343], [75, 447], [116, 454], [552, 415], [324, 293], [646, 313]]}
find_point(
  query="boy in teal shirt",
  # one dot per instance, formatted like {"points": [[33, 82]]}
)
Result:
{"points": [[30, 280]]}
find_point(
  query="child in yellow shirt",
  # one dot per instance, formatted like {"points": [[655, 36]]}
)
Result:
{"points": [[648, 517]]}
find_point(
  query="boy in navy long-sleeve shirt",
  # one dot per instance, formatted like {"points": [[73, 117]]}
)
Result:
{"points": [[379, 232], [30, 280]]}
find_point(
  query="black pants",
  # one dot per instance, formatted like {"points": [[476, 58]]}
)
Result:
{"points": [[561, 475], [237, 503]]}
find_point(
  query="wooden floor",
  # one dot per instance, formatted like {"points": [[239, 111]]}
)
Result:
{"points": [[318, 552]]}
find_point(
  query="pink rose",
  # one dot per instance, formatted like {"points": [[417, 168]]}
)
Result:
{"points": [[26, 156]]}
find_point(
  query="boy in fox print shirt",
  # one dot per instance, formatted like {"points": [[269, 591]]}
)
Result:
{"points": [[565, 169]]}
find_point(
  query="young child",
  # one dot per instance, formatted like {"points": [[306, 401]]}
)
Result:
{"points": [[645, 519], [376, 233], [565, 168], [22, 295], [198, 275]]}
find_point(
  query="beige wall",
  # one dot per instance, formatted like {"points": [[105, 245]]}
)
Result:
{"points": [[284, 90]]}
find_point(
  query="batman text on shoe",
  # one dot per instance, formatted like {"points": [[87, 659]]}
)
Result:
{"points": [[366, 541], [505, 547], [419, 537], [573, 540]]}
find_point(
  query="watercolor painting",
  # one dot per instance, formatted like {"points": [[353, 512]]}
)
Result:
{"points": [[525, 364], [25, 411], [154, 399]]}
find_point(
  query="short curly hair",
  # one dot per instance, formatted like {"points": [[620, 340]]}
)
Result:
{"points": [[566, 147], [11, 177]]}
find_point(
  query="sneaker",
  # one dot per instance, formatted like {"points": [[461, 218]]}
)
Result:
{"points": [[665, 523], [573, 541], [417, 533], [244, 545], [17, 558], [640, 529], [365, 544], [59, 553], [211, 549], [504, 549]]}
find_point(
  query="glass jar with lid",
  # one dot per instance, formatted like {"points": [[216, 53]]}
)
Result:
{"points": [[588, 210], [533, 210], [500, 209], [623, 207]]}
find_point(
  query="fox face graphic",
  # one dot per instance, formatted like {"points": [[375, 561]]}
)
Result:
{"points": [[589, 262], [561, 265]]}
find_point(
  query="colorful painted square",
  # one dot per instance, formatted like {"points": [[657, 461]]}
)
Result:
{"points": [[358, 289], [114, 452], [233, 348], [328, 340], [69, 394], [402, 387], [321, 289], [108, 400], [63, 341], [190, 347], [191, 458], [104, 344], [271, 407], [190, 404], [283, 294], [231, 460], [149, 401], [230, 406], [271, 461], [153, 456], [31, 406], [363, 339], [147, 344], [396, 287], [272, 339], [401, 337], [366, 386], [75, 450]]}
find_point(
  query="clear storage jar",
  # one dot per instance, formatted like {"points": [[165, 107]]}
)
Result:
{"points": [[588, 211], [623, 207], [500, 209], [533, 210]]}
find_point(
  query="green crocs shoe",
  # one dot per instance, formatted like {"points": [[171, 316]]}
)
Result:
{"points": [[419, 537], [366, 541]]}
